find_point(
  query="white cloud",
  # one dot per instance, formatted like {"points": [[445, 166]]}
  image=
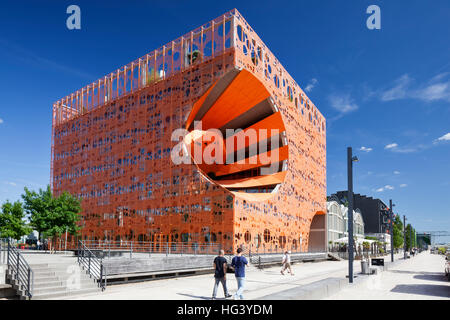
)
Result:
{"points": [[403, 185], [10, 183], [386, 187], [398, 91], [311, 85], [396, 172], [1, 120], [445, 137], [391, 146], [343, 103], [408, 149], [437, 88], [365, 149], [438, 91]]}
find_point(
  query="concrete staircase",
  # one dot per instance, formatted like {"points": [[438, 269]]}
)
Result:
{"points": [[60, 280], [56, 277]]}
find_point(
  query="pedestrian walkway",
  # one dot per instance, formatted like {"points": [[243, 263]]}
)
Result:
{"points": [[259, 283], [420, 277]]}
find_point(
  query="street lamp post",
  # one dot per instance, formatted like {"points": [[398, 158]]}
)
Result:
{"points": [[350, 160], [404, 237], [391, 214]]}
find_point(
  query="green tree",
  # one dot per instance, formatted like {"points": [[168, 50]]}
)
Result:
{"points": [[410, 237], [63, 216], [398, 232], [38, 207], [52, 216], [12, 221]]}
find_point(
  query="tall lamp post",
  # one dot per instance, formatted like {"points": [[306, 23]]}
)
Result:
{"points": [[404, 237], [350, 159], [391, 215]]}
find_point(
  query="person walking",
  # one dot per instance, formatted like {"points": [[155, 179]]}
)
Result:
{"points": [[286, 263], [239, 262], [220, 274]]}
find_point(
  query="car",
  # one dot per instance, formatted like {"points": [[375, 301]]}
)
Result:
{"points": [[447, 267]]}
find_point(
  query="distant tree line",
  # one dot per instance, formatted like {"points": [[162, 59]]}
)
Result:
{"points": [[50, 216], [410, 234]]}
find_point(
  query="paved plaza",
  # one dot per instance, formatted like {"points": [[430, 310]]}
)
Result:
{"points": [[421, 277], [259, 283]]}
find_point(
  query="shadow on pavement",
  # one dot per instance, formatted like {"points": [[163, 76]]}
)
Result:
{"points": [[198, 297], [432, 277], [413, 272], [423, 289]]}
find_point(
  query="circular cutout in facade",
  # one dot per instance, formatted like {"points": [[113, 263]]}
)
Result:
{"points": [[237, 136]]}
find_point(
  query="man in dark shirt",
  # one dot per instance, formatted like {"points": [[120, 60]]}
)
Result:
{"points": [[239, 262], [220, 274]]}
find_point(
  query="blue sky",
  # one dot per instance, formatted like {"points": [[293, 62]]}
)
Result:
{"points": [[384, 92]]}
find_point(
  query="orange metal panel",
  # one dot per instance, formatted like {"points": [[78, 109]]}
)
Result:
{"points": [[242, 94], [255, 181], [272, 122], [252, 162], [197, 106]]}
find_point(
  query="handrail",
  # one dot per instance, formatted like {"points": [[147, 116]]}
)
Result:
{"points": [[153, 247], [19, 268], [92, 264]]}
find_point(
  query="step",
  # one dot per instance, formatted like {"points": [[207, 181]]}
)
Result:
{"points": [[60, 282], [63, 288], [44, 274], [64, 293], [65, 270], [45, 280], [38, 265], [54, 283], [65, 276]]}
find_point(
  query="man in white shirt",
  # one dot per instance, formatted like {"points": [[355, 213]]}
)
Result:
{"points": [[286, 262]]}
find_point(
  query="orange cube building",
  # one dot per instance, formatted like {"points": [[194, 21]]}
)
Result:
{"points": [[112, 146]]}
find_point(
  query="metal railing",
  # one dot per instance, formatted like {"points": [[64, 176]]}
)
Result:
{"points": [[358, 253], [107, 247], [18, 267], [93, 265]]}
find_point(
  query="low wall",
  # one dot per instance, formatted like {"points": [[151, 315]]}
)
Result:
{"points": [[120, 266]]}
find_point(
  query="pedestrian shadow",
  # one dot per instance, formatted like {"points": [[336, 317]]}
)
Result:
{"points": [[423, 289], [198, 297], [432, 277]]}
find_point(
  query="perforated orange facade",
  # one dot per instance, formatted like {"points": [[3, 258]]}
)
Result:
{"points": [[112, 145]]}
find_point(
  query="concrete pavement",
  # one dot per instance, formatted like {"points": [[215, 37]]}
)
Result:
{"points": [[259, 283], [421, 277]]}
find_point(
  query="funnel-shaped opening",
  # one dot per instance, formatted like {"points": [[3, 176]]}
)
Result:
{"points": [[237, 135]]}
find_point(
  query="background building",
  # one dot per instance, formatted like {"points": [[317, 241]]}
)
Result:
{"points": [[337, 222], [112, 144], [374, 211]]}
